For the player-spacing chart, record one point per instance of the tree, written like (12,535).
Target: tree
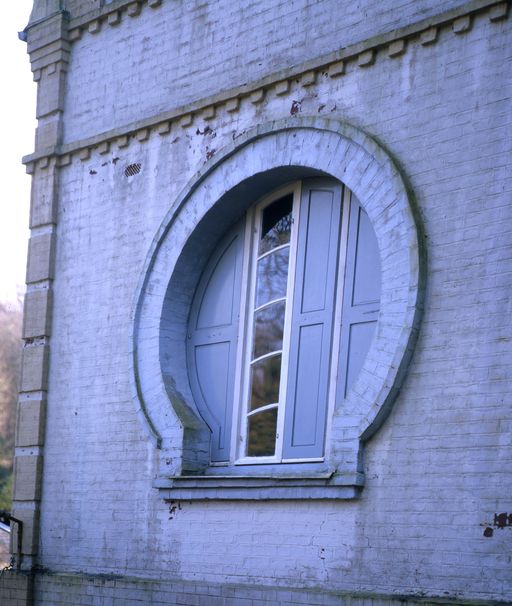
(10,354)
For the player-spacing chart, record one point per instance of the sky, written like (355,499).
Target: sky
(17,127)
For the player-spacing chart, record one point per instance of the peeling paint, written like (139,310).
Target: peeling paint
(207,131)
(174,506)
(296,107)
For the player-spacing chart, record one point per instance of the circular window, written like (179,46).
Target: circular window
(279,304)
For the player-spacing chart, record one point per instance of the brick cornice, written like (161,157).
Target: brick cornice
(111,15)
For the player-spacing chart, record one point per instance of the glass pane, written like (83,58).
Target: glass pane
(272,276)
(276,224)
(265,379)
(262,428)
(268,329)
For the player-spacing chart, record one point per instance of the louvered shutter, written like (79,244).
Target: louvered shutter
(361,297)
(312,319)
(212,340)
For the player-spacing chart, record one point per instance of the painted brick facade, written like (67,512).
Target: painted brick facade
(167,87)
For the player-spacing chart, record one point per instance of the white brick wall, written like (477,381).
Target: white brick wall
(438,470)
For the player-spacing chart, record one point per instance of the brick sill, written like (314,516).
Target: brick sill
(259,488)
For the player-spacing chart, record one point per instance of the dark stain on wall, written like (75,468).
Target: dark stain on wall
(296,107)
(501,520)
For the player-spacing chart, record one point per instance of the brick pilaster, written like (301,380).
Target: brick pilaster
(48,47)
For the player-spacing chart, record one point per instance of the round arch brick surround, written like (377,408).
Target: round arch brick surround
(323,146)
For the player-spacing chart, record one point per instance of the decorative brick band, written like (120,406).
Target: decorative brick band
(391,45)
(110,15)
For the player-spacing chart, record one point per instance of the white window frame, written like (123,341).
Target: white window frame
(243,361)
(241,404)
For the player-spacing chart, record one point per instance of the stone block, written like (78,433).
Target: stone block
(498,11)
(41,254)
(164,128)
(48,132)
(232,105)
(44,33)
(43,199)
(462,25)
(30,532)
(336,69)
(209,112)
(27,477)
(308,79)
(257,96)
(366,58)
(428,36)
(47,58)
(122,141)
(397,48)
(75,34)
(30,423)
(104,147)
(282,87)
(94,26)
(37,313)
(142,134)
(34,369)
(114,18)
(64,160)
(186,120)
(133,9)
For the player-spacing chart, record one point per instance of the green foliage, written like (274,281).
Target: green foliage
(10,353)
(5,488)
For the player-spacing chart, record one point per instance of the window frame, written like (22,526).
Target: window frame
(246,327)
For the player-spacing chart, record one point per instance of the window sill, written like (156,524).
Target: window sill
(260,488)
